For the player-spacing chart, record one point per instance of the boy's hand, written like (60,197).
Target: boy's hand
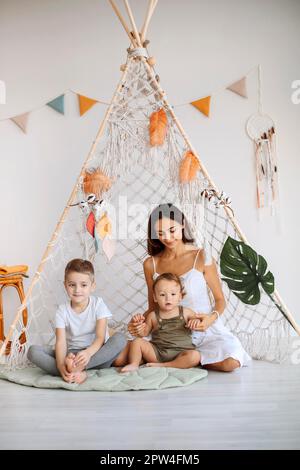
(82,358)
(138,318)
(67,376)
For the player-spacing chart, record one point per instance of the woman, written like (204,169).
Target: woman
(171,249)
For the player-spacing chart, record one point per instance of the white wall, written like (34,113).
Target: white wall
(48,46)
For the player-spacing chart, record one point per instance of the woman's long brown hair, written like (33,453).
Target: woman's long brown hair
(165,211)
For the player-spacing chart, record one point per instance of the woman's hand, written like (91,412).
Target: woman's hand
(82,358)
(201,322)
(137,325)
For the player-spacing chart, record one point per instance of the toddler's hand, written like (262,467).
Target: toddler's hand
(205,321)
(194,324)
(137,325)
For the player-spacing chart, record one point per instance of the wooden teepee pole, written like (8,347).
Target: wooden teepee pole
(151,7)
(123,22)
(232,219)
(146,20)
(132,21)
(64,214)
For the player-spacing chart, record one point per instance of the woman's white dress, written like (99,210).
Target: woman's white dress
(217,342)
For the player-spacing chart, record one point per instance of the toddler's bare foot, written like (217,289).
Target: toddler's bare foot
(129,368)
(155,364)
(69,362)
(80,377)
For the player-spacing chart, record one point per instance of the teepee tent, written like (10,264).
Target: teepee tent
(135,172)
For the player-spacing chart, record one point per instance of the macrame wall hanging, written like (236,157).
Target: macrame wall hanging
(261,129)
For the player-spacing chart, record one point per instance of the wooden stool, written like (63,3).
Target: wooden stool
(12,276)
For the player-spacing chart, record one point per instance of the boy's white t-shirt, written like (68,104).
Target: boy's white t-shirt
(81,327)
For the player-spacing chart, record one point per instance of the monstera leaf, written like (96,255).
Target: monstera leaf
(245,270)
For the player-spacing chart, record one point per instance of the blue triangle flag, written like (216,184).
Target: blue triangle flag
(58,104)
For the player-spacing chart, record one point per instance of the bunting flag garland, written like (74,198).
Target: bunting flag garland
(203,105)
(58,104)
(21,121)
(239,87)
(85,104)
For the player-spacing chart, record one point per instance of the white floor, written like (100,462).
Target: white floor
(253,408)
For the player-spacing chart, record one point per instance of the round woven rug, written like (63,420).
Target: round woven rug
(109,380)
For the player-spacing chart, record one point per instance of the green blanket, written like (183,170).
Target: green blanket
(109,380)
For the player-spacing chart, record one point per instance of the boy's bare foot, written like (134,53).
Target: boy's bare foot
(155,364)
(129,368)
(70,378)
(80,377)
(69,362)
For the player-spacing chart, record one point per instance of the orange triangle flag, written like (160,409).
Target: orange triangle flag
(21,121)
(85,104)
(239,87)
(203,105)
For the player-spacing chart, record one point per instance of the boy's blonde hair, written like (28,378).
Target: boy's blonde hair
(169,277)
(80,266)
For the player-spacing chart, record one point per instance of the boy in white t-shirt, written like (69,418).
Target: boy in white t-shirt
(82,338)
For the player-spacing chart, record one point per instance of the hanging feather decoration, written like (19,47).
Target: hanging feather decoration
(96,182)
(97,242)
(188,167)
(158,127)
(103,227)
(109,247)
(90,223)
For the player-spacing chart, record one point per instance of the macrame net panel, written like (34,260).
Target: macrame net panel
(143,178)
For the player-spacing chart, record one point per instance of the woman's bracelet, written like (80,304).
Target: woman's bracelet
(218,315)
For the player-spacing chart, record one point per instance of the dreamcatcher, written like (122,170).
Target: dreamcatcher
(261,129)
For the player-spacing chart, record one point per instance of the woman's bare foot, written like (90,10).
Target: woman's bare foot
(69,362)
(80,377)
(155,364)
(129,368)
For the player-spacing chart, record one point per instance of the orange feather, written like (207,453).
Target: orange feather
(158,127)
(188,167)
(96,182)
